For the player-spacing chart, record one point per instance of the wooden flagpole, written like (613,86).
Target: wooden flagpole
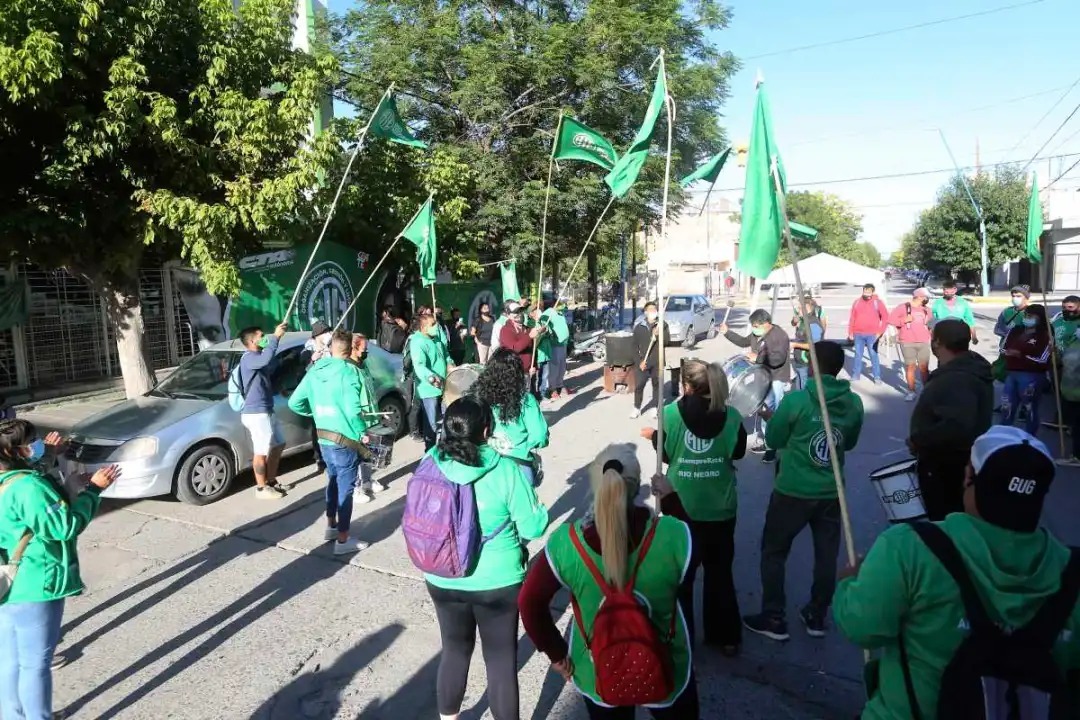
(834,459)
(375,269)
(661,278)
(333,205)
(543,235)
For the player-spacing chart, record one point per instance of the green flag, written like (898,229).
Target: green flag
(510,291)
(421,233)
(386,123)
(624,174)
(709,171)
(1035,223)
(578,141)
(762,223)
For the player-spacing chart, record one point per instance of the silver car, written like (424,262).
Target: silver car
(182,437)
(689,317)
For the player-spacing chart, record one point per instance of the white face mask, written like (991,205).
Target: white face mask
(650,316)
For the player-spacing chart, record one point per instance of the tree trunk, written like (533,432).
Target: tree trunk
(126,315)
(593,279)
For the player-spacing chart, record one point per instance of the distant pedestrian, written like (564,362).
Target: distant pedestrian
(257,416)
(1027,360)
(800,346)
(647,339)
(517,337)
(39,530)
(484,600)
(950,305)
(956,407)
(866,324)
(558,337)
(456,331)
(429,363)
(393,331)
(482,330)
(1012,317)
(912,320)
(770,347)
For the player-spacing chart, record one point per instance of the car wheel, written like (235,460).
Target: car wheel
(205,475)
(713,331)
(397,418)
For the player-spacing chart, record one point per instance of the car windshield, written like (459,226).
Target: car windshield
(678,303)
(204,376)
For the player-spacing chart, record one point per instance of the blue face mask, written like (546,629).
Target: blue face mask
(37,451)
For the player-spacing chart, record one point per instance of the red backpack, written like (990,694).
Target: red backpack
(633,664)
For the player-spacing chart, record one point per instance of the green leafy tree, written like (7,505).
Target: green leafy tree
(484,83)
(838,226)
(945,238)
(136,132)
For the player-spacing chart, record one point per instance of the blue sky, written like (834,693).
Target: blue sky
(871,107)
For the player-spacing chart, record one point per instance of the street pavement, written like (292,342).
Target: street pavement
(239,610)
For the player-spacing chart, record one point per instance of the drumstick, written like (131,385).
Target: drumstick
(730,305)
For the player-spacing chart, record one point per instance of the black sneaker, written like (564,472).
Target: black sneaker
(759,448)
(771,627)
(769,457)
(814,622)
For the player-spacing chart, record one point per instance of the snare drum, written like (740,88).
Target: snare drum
(381,445)
(748,384)
(898,487)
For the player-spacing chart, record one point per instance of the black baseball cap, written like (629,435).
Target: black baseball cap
(1013,474)
(318,328)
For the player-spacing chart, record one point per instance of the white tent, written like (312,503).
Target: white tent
(824,268)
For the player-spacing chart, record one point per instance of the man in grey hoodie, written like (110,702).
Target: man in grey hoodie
(956,407)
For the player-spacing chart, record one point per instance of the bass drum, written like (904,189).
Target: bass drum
(458,382)
(748,384)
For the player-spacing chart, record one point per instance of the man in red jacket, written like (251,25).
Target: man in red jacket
(866,324)
(515,336)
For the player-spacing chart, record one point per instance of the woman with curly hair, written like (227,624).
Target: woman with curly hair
(520,427)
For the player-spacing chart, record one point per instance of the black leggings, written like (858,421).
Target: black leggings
(495,613)
(685,707)
(714,553)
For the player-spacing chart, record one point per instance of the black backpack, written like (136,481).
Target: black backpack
(996,673)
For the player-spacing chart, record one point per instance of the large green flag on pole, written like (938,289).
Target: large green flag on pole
(508,272)
(762,227)
(709,170)
(386,123)
(624,174)
(421,232)
(1035,223)
(578,141)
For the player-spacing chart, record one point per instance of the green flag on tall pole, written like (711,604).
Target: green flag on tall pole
(1035,223)
(624,174)
(761,232)
(709,170)
(386,123)
(508,272)
(421,232)
(578,141)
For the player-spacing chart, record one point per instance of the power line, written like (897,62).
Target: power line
(917,173)
(1066,141)
(1063,174)
(1045,115)
(893,31)
(1053,135)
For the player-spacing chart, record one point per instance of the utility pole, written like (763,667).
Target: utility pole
(984,259)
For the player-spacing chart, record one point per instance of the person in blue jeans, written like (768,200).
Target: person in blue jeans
(1027,360)
(334,395)
(866,323)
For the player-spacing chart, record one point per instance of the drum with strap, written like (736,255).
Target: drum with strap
(898,487)
(381,444)
(748,384)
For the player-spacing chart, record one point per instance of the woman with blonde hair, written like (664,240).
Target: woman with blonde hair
(632,551)
(702,439)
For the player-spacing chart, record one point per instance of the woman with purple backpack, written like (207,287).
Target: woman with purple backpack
(484,597)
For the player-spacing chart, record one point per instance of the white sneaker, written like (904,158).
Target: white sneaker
(362,496)
(351,545)
(635,413)
(269,493)
(330,534)
(909,397)
(653,413)
(379,486)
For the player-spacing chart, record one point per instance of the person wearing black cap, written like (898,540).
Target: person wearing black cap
(956,407)
(905,598)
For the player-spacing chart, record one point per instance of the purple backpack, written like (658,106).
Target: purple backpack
(441,523)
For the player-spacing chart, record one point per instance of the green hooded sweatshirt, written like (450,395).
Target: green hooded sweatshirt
(559,330)
(519,437)
(334,394)
(428,358)
(903,587)
(797,432)
(50,566)
(502,493)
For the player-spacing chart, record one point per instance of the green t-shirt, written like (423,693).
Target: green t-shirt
(701,469)
(429,358)
(658,580)
(960,309)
